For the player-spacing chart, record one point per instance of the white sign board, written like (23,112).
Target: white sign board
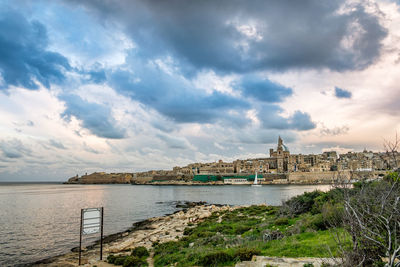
(91,221)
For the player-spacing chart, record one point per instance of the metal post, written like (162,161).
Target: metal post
(80,238)
(101,235)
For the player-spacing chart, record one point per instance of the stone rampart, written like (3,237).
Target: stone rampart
(317,177)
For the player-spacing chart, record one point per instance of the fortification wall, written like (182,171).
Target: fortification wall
(274,176)
(317,177)
(172,177)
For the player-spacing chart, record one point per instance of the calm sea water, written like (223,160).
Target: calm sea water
(42,220)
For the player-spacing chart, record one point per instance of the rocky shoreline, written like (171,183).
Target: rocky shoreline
(144,233)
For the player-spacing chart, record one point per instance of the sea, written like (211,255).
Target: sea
(41,220)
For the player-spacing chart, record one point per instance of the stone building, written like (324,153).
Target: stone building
(281,162)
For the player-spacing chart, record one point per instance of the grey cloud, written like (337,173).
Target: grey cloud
(271,119)
(174,142)
(95,117)
(334,131)
(90,149)
(263,89)
(173,96)
(342,93)
(24,57)
(301,121)
(243,36)
(56,144)
(14,149)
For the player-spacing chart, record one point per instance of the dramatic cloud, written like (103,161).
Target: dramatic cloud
(95,117)
(301,121)
(24,60)
(271,119)
(342,93)
(137,85)
(174,96)
(263,89)
(241,36)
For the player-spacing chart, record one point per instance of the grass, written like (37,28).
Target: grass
(228,237)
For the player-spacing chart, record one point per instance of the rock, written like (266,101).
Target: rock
(153,238)
(204,215)
(191,244)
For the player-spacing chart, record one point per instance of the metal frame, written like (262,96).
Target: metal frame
(85,226)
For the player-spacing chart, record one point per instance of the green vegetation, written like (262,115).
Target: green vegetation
(137,258)
(360,225)
(228,237)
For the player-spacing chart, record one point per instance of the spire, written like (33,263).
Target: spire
(280,143)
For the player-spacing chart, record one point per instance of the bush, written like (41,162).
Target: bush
(188,231)
(204,234)
(140,252)
(318,222)
(133,261)
(300,204)
(282,221)
(245,254)
(119,260)
(167,248)
(216,258)
(393,177)
(111,259)
(242,229)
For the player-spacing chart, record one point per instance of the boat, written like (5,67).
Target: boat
(256,181)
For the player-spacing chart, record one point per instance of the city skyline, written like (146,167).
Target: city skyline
(129,86)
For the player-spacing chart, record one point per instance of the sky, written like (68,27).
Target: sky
(128,86)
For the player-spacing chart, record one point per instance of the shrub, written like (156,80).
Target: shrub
(242,229)
(308,265)
(318,222)
(119,260)
(300,204)
(188,231)
(282,221)
(133,261)
(140,252)
(245,254)
(204,234)
(216,258)
(393,177)
(167,248)
(111,259)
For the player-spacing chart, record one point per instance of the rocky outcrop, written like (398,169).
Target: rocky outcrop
(101,178)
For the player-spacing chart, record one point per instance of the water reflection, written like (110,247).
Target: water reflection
(42,220)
